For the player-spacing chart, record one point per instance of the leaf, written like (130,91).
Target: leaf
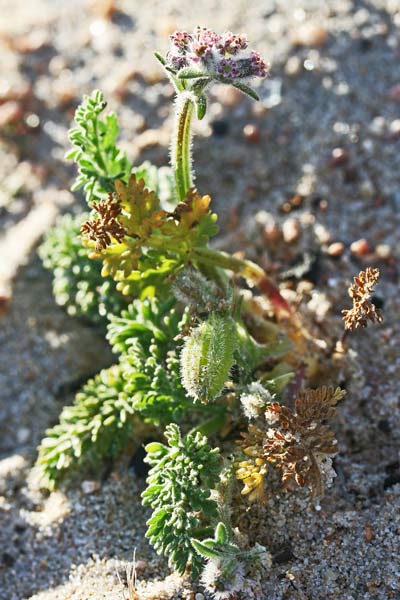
(160,58)
(201,104)
(221,533)
(141,213)
(245,89)
(204,550)
(191,73)
(99,159)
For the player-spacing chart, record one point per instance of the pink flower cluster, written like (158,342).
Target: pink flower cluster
(223,56)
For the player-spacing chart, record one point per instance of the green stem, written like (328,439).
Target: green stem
(181,149)
(100,158)
(212,425)
(249,271)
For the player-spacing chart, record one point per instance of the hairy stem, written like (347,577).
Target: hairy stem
(181,160)
(249,271)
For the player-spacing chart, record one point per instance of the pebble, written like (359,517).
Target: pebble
(336,249)
(293,66)
(10,112)
(251,133)
(378,126)
(367,188)
(394,93)
(199,596)
(90,486)
(141,565)
(322,233)
(31,42)
(383,251)
(339,156)
(360,247)
(291,230)
(310,34)
(272,233)
(394,128)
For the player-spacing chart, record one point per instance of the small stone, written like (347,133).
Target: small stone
(383,251)
(31,42)
(141,565)
(199,596)
(23,435)
(291,230)
(10,112)
(57,65)
(310,34)
(293,66)
(378,126)
(89,486)
(369,533)
(272,233)
(339,157)
(251,133)
(32,120)
(394,93)
(64,88)
(323,234)
(366,188)
(360,247)
(336,249)
(8,559)
(394,128)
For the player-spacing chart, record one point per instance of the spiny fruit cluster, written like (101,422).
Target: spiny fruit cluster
(189,359)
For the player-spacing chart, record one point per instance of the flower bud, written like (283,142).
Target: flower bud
(207,357)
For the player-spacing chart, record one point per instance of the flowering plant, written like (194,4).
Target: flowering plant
(193,358)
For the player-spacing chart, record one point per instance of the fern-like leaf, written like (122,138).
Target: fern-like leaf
(100,162)
(179,483)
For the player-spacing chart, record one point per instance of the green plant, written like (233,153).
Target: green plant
(179,488)
(189,349)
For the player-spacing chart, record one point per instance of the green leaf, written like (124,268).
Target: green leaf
(100,161)
(160,58)
(204,549)
(221,533)
(201,104)
(191,73)
(245,89)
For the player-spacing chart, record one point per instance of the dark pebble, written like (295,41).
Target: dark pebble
(365,44)
(391,481)
(284,555)
(20,527)
(220,127)
(350,175)
(8,559)
(384,426)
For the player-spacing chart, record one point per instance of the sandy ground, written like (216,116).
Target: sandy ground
(316,162)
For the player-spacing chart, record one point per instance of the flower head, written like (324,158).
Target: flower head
(221,57)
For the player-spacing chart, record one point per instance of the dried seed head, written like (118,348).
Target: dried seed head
(298,444)
(363,310)
(105,226)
